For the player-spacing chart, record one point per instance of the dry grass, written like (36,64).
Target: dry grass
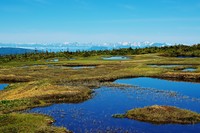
(188,76)
(65,84)
(104,71)
(38,89)
(14,78)
(162,115)
(54,84)
(20,96)
(43,85)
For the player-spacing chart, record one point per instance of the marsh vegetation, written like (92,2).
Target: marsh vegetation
(43,83)
(161,115)
(111,100)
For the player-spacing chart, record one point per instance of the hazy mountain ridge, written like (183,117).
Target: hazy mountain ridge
(83,46)
(21,48)
(8,51)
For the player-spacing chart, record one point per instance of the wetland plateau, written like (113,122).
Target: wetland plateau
(95,92)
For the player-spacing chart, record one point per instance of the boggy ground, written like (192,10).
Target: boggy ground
(27,123)
(162,115)
(36,84)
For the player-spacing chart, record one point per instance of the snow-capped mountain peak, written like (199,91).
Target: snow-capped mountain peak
(73,46)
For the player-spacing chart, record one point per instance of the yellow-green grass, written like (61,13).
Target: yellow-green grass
(162,115)
(28,123)
(20,96)
(43,81)
(42,85)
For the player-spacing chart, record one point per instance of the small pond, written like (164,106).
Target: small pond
(53,60)
(95,115)
(2,86)
(116,58)
(59,66)
(189,70)
(165,66)
(187,57)
(82,67)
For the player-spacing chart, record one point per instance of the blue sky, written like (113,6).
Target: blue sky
(173,21)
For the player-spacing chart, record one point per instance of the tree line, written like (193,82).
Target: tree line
(170,51)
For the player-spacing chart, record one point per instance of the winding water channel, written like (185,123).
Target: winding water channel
(95,115)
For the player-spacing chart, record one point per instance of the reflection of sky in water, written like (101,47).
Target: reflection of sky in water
(2,86)
(82,67)
(165,66)
(186,57)
(116,58)
(189,70)
(60,66)
(185,88)
(96,114)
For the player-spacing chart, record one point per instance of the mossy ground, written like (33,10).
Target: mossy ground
(27,123)
(40,83)
(162,115)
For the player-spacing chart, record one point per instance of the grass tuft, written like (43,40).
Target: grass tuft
(161,115)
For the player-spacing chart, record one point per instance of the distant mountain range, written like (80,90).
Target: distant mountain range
(16,48)
(8,51)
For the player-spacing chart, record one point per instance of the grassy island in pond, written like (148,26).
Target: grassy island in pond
(162,115)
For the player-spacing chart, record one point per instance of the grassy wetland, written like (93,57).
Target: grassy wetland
(162,115)
(35,82)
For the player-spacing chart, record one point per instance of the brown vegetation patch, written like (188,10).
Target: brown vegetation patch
(44,90)
(162,115)
(182,76)
(14,78)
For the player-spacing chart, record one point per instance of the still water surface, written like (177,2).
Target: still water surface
(116,58)
(95,115)
(165,66)
(2,86)
(189,70)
